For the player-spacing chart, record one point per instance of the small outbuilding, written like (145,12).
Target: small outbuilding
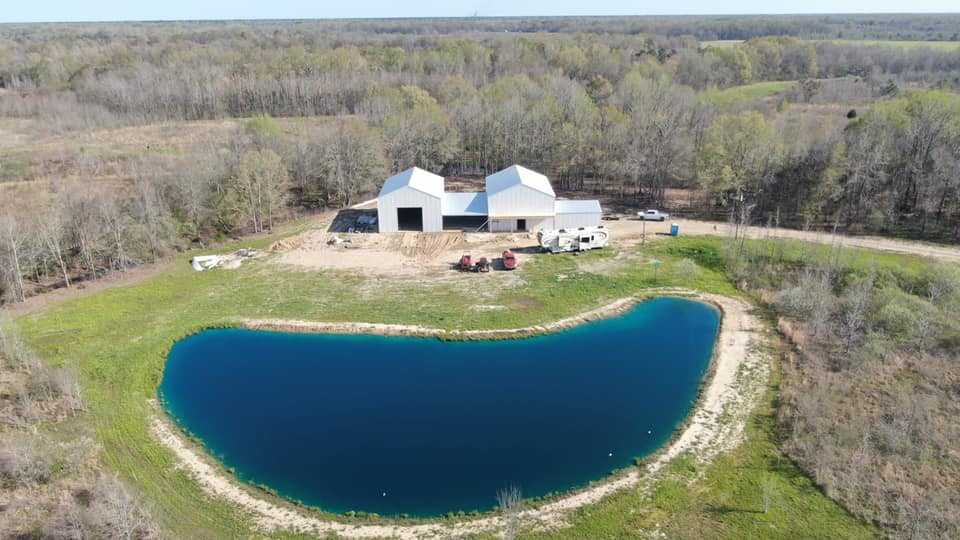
(519,199)
(411,201)
(575,214)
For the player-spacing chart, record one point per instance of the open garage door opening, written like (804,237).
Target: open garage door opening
(410,219)
(465,223)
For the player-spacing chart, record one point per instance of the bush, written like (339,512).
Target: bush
(25,461)
(686,270)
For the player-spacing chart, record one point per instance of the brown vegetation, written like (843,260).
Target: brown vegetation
(870,394)
(54,489)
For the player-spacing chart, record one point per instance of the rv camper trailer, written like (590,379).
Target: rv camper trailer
(580,239)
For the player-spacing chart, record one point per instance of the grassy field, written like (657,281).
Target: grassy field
(721,43)
(119,339)
(938,45)
(725,99)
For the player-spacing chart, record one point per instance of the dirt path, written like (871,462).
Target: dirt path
(631,232)
(716,425)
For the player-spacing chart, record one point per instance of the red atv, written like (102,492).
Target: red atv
(509,260)
(466,264)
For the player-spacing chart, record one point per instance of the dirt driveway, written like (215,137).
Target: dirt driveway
(631,231)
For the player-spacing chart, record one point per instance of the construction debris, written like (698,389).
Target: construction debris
(229,261)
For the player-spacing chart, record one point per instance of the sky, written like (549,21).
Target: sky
(121,10)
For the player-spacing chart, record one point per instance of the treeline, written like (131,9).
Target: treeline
(80,230)
(876,26)
(896,168)
(132,74)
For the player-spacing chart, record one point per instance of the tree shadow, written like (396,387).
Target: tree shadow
(723,509)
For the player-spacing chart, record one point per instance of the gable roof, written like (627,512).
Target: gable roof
(577,207)
(517,175)
(415,178)
(464,204)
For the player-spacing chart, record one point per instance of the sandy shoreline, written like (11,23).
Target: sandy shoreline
(738,374)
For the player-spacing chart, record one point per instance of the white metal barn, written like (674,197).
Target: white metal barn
(575,214)
(411,201)
(519,199)
(516,199)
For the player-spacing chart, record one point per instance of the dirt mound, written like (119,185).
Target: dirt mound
(426,246)
(286,244)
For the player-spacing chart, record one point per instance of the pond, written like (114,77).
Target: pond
(419,426)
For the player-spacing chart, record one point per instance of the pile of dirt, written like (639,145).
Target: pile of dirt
(286,244)
(427,246)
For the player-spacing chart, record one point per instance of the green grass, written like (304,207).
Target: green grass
(721,43)
(119,338)
(938,45)
(737,95)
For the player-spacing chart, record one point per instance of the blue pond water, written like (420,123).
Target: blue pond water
(419,426)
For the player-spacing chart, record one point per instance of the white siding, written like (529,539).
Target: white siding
(537,223)
(407,197)
(520,201)
(534,223)
(502,225)
(573,221)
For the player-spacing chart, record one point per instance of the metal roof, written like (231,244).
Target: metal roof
(416,178)
(517,175)
(577,207)
(464,204)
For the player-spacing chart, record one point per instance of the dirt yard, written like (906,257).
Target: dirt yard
(409,253)
(430,253)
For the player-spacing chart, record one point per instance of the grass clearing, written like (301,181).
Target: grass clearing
(731,97)
(119,339)
(936,45)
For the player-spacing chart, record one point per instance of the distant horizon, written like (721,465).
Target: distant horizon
(107,11)
(469,17)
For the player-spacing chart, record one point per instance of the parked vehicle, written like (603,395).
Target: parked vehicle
(581,239)
(509,260)
(653,215)
(467,264)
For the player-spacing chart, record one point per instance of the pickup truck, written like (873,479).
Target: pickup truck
(653,215)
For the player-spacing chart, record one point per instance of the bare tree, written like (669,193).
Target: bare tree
(118,513)
(510,501)
(260,186)
(854,318)
(768,488)
(50,230)
(13,238)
